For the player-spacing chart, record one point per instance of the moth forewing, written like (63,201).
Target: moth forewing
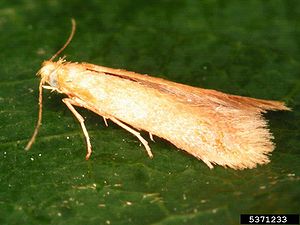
(215,127)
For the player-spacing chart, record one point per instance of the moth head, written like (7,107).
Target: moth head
(49,72)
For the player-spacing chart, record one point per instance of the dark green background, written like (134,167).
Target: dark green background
(247,48)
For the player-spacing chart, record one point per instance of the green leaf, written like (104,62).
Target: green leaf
(241,47)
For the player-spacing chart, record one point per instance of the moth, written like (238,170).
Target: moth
(215,127)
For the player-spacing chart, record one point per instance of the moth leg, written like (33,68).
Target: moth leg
(151,137)
(105,121)
(51,88)
(135,133)
(70,102)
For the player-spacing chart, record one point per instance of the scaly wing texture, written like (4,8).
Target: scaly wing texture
(192,95)
(235,133)
(235,138)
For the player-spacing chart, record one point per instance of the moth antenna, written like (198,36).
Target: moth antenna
(39,121)
(67,42)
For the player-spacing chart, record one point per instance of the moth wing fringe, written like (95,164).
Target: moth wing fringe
(246,143)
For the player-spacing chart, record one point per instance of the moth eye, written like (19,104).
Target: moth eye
(53,79)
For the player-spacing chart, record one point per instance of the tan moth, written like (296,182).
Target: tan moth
(215,127)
